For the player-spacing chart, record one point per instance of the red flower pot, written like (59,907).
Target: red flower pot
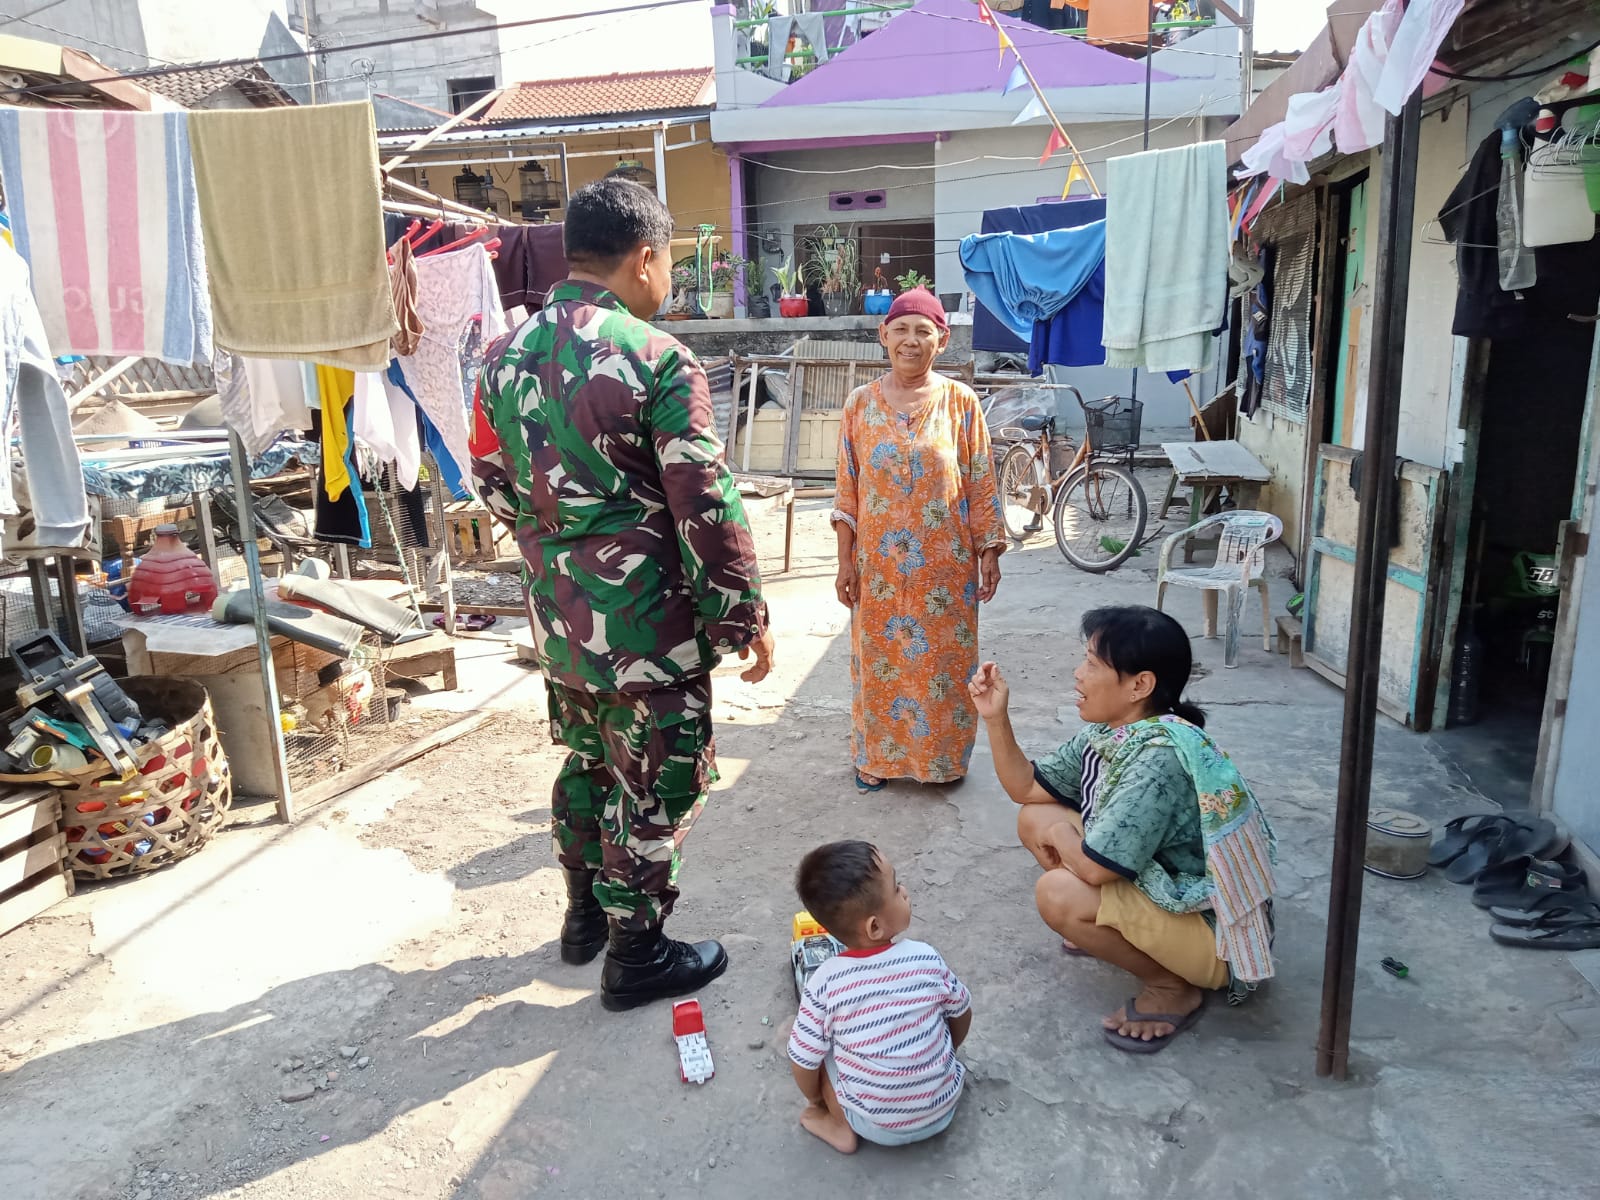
(794,306)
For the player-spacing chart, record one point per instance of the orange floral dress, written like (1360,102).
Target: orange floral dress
(918,489)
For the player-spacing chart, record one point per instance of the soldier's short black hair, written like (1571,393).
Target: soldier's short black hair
(612,217)
(840,884)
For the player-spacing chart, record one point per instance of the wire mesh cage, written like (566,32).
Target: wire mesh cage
(335,711)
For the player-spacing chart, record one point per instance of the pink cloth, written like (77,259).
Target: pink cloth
(1358,123)
(1412,50)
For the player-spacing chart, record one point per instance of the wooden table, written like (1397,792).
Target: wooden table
(760,492)
(1206,468)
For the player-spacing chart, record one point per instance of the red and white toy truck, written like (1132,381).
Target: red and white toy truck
(689,1030)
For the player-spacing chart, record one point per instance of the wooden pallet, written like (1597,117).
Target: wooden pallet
(471,534)
(33,866)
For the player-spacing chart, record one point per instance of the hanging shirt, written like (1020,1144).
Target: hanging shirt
(452,290)
(336,386)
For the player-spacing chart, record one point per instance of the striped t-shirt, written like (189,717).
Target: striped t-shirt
(881,1015)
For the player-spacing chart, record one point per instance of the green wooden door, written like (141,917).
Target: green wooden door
(1346,377)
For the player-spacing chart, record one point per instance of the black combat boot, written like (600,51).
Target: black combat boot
(583,933)
(646,965)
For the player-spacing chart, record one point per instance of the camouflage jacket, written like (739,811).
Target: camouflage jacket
(592,438)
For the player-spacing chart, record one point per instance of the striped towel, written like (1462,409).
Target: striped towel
(103,208)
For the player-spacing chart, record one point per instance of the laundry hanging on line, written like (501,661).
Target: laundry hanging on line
(34,404)
(104,209)
(1028,277)
(291,204)
(1166,257)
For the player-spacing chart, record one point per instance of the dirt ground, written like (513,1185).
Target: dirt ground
(369,1003)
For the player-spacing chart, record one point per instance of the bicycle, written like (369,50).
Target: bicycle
(1098,510)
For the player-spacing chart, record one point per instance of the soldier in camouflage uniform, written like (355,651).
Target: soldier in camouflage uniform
(593,440)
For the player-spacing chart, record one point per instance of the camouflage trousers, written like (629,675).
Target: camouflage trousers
(640,766)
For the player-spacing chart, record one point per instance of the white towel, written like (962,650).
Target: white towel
(1166,257)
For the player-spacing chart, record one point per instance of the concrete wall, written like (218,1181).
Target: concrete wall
(1280,445)
(415,71)
(791,188)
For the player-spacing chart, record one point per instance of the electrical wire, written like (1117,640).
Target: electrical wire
(1509,76)
(433,35)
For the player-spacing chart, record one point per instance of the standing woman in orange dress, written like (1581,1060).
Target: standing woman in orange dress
(920,537)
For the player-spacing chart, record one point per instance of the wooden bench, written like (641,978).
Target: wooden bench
(470,533)
(1290,640)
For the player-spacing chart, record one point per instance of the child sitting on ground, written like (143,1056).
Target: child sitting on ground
(892,1080)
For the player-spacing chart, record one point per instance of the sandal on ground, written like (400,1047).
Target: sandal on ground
(1524,879)
(1494,845)
(1574,926)
(865,788)
(1554,908)
(1458,834)
(1134,1045)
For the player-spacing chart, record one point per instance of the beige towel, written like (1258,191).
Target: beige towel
(291,207)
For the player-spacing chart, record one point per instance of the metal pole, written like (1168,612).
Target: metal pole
(1247,55)
(1149,70)
(258,601)
(311,48)
(1379,486)
(660,135)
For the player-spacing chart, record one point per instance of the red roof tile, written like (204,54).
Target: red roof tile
(607,95)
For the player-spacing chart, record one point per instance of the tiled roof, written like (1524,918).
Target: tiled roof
(607,95)
(194,87)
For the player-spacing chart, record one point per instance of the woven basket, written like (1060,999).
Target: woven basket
(166,812)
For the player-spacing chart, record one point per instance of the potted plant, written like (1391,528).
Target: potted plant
(835,266)
(792,301)
(685,290)
(878,298)
(727,270)
(913,279)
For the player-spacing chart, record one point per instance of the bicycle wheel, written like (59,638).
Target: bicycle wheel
(1100,517)
(1021,472)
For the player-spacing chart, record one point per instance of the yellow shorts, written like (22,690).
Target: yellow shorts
(1181,942)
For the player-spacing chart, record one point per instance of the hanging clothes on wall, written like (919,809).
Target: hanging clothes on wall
(291,204)
(33,403)
(454,289)
(1256,335)
(1166,257)
(104,209)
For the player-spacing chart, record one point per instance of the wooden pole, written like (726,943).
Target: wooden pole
(1374,533)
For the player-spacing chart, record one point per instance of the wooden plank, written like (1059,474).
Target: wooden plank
(25,819)
(340,784)
(29,904)
(1223,460)
(33,860)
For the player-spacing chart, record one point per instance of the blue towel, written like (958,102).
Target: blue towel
(1028,277)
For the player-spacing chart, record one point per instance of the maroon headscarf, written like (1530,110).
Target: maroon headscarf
(918,302)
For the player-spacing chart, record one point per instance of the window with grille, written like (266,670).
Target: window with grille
(1292,229)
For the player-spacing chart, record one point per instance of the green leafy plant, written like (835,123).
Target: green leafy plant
(788,277)
(684,277)
(727,270)
(835,262)
(913,279)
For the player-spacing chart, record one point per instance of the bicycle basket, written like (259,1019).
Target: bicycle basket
(1113,423)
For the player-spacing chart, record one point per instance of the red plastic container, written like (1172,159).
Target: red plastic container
(793,306)
(170,578)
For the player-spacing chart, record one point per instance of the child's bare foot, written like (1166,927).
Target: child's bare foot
(830,1128)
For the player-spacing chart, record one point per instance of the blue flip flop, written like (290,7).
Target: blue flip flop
(1135,1045)
(864,787)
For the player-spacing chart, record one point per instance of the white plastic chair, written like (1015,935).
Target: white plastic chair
(1241,561)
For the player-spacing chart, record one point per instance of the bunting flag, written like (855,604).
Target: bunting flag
(1019,79)
(985,16)
(1033,109)
(1058,141)
(1077,171)
(1005,44)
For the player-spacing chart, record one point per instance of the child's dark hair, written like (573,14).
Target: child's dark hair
(839,883)
(1131,638)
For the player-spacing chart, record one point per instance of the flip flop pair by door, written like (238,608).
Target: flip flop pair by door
(1472,845)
